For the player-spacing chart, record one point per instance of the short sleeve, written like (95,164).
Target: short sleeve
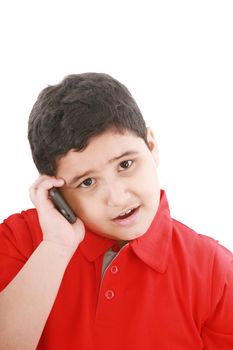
(20,234)
(217,332)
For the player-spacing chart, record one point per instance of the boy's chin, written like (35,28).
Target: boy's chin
(127,236)
(127,233)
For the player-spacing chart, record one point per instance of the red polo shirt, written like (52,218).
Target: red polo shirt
(169,289)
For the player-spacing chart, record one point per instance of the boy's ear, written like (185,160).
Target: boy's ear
(152,144)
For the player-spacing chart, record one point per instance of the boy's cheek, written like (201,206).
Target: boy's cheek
(82,207)
(72,199)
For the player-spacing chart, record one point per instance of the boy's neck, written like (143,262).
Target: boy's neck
(121,243)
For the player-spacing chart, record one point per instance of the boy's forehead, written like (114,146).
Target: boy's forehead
(103,149)
(114,137)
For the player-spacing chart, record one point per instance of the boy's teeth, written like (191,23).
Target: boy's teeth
(127,212)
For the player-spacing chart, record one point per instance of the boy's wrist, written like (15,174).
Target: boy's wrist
(62,250)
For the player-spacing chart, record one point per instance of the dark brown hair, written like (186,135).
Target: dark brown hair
(67,115)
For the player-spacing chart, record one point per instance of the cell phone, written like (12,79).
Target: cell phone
(61,205)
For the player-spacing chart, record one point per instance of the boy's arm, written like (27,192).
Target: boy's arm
(217,333)
(27,300)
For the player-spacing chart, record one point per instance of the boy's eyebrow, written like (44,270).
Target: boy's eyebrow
(76,178)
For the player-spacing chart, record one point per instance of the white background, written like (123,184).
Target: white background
(176,58)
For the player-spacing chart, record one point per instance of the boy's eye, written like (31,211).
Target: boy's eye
(126,164)
(87,183)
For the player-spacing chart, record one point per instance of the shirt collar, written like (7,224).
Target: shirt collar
(152,247)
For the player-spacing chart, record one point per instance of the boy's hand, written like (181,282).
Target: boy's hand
(55,227)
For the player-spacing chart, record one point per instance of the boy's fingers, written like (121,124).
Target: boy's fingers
(44,179)
(39,190)
(42,195)
(35,186)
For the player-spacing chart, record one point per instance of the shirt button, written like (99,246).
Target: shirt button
(109,294)
(114,269)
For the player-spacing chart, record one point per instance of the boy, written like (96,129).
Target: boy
(125,275)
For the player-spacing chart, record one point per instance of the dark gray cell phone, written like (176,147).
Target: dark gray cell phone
(61,205)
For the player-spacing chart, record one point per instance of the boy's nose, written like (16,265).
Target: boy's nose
(117,195)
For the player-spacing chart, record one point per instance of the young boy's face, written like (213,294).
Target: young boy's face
(114,174)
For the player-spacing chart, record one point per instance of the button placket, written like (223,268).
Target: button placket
(110,292)
(114,269)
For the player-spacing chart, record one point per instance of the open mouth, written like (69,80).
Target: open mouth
(130,217)
(127,214)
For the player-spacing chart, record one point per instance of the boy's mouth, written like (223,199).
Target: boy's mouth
(126,213)
(128,216)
